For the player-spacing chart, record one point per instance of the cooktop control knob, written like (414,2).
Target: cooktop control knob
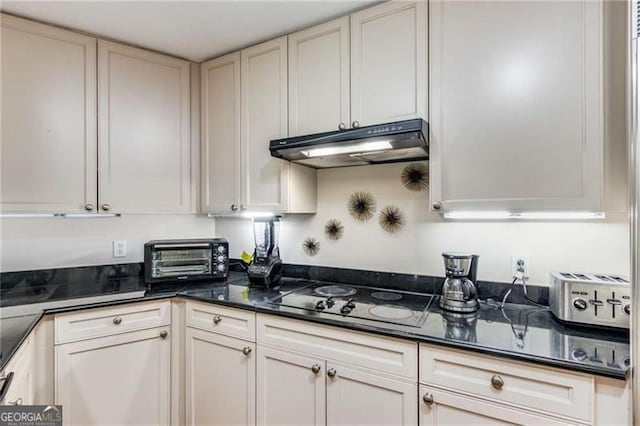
(345,310)
(320,305)
(330,302)
(350,304)
(627,309)
(580,304)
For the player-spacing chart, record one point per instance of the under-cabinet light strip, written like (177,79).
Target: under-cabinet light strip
(57,215)
(507,215)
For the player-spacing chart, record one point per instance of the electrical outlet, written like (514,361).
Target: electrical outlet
(520,262)
(120,248)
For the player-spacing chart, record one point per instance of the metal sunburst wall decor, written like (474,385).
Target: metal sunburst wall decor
(311,246)
(333,229)
(361,206)
(415,177)
(391,219)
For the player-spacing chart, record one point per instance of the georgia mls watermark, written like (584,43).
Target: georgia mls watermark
(31,415)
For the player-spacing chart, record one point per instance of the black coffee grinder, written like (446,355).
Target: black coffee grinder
(265,268)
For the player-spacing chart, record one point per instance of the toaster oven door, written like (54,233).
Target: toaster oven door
(180,261)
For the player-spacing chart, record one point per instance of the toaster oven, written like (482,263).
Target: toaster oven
(186,260)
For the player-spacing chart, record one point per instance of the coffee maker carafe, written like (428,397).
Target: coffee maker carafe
(459,293)
(266,267)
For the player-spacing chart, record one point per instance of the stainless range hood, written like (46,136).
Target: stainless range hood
(382,143)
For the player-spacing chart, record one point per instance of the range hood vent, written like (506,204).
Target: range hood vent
(382,143)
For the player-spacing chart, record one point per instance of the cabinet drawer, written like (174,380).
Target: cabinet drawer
(546,390)
(74,326)
(388,355)
(220,319)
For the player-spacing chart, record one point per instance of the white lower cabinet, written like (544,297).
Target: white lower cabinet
(356,396)
(20,374)
(315,375)
(122,379)
(220,379)
(291,388)
(445,408)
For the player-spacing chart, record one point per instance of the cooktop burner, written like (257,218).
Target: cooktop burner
(334,290)
(374,304)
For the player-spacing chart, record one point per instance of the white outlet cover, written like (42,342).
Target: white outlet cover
(514,264)
(120,248)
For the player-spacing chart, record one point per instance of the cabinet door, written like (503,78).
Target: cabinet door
(220,84)
(48,150)
(264,117)
(449,409)
(21,390)
(358,397)
(220,382)
(144,131)
(319,78)
(118,380)
(516,115)
(388,62)
(288,390)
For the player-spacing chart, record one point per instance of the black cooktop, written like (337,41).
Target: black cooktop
(370,303)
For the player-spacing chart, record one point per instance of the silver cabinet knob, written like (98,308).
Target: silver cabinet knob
(437,205)
(16,402)
(341,126)
(106,207)
(117,320)
(497,382)
(355,124)
(332,372)
(88,207)
(427,398)
(217,319)
(315,368)
(246,350)
(164,334)
(234,207)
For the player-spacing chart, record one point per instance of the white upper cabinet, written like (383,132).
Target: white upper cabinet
(264,117)
(144,131)
(319,78)
(389,63)
(516,112)
(48,150)
(220,85)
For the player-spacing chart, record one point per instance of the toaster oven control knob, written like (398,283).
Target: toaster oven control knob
(220,258)
(220,249)
(627,309)
(580,304)
(220,267)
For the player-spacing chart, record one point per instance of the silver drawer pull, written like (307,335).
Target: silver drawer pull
(164,334)
(117,320)
(217,319)
(497,382)
(246,350)
(427,398)
(332,372)
(315,368)
(16,402)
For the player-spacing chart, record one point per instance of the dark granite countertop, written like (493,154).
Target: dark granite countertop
(520,332)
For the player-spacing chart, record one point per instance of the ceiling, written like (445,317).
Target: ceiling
(195,30)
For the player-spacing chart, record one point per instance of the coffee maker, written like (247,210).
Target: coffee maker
(265,268)
(459,293)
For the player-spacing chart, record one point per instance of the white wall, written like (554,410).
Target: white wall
(595,246)
(36,243)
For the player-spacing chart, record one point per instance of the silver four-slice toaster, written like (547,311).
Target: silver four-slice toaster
(592,299)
